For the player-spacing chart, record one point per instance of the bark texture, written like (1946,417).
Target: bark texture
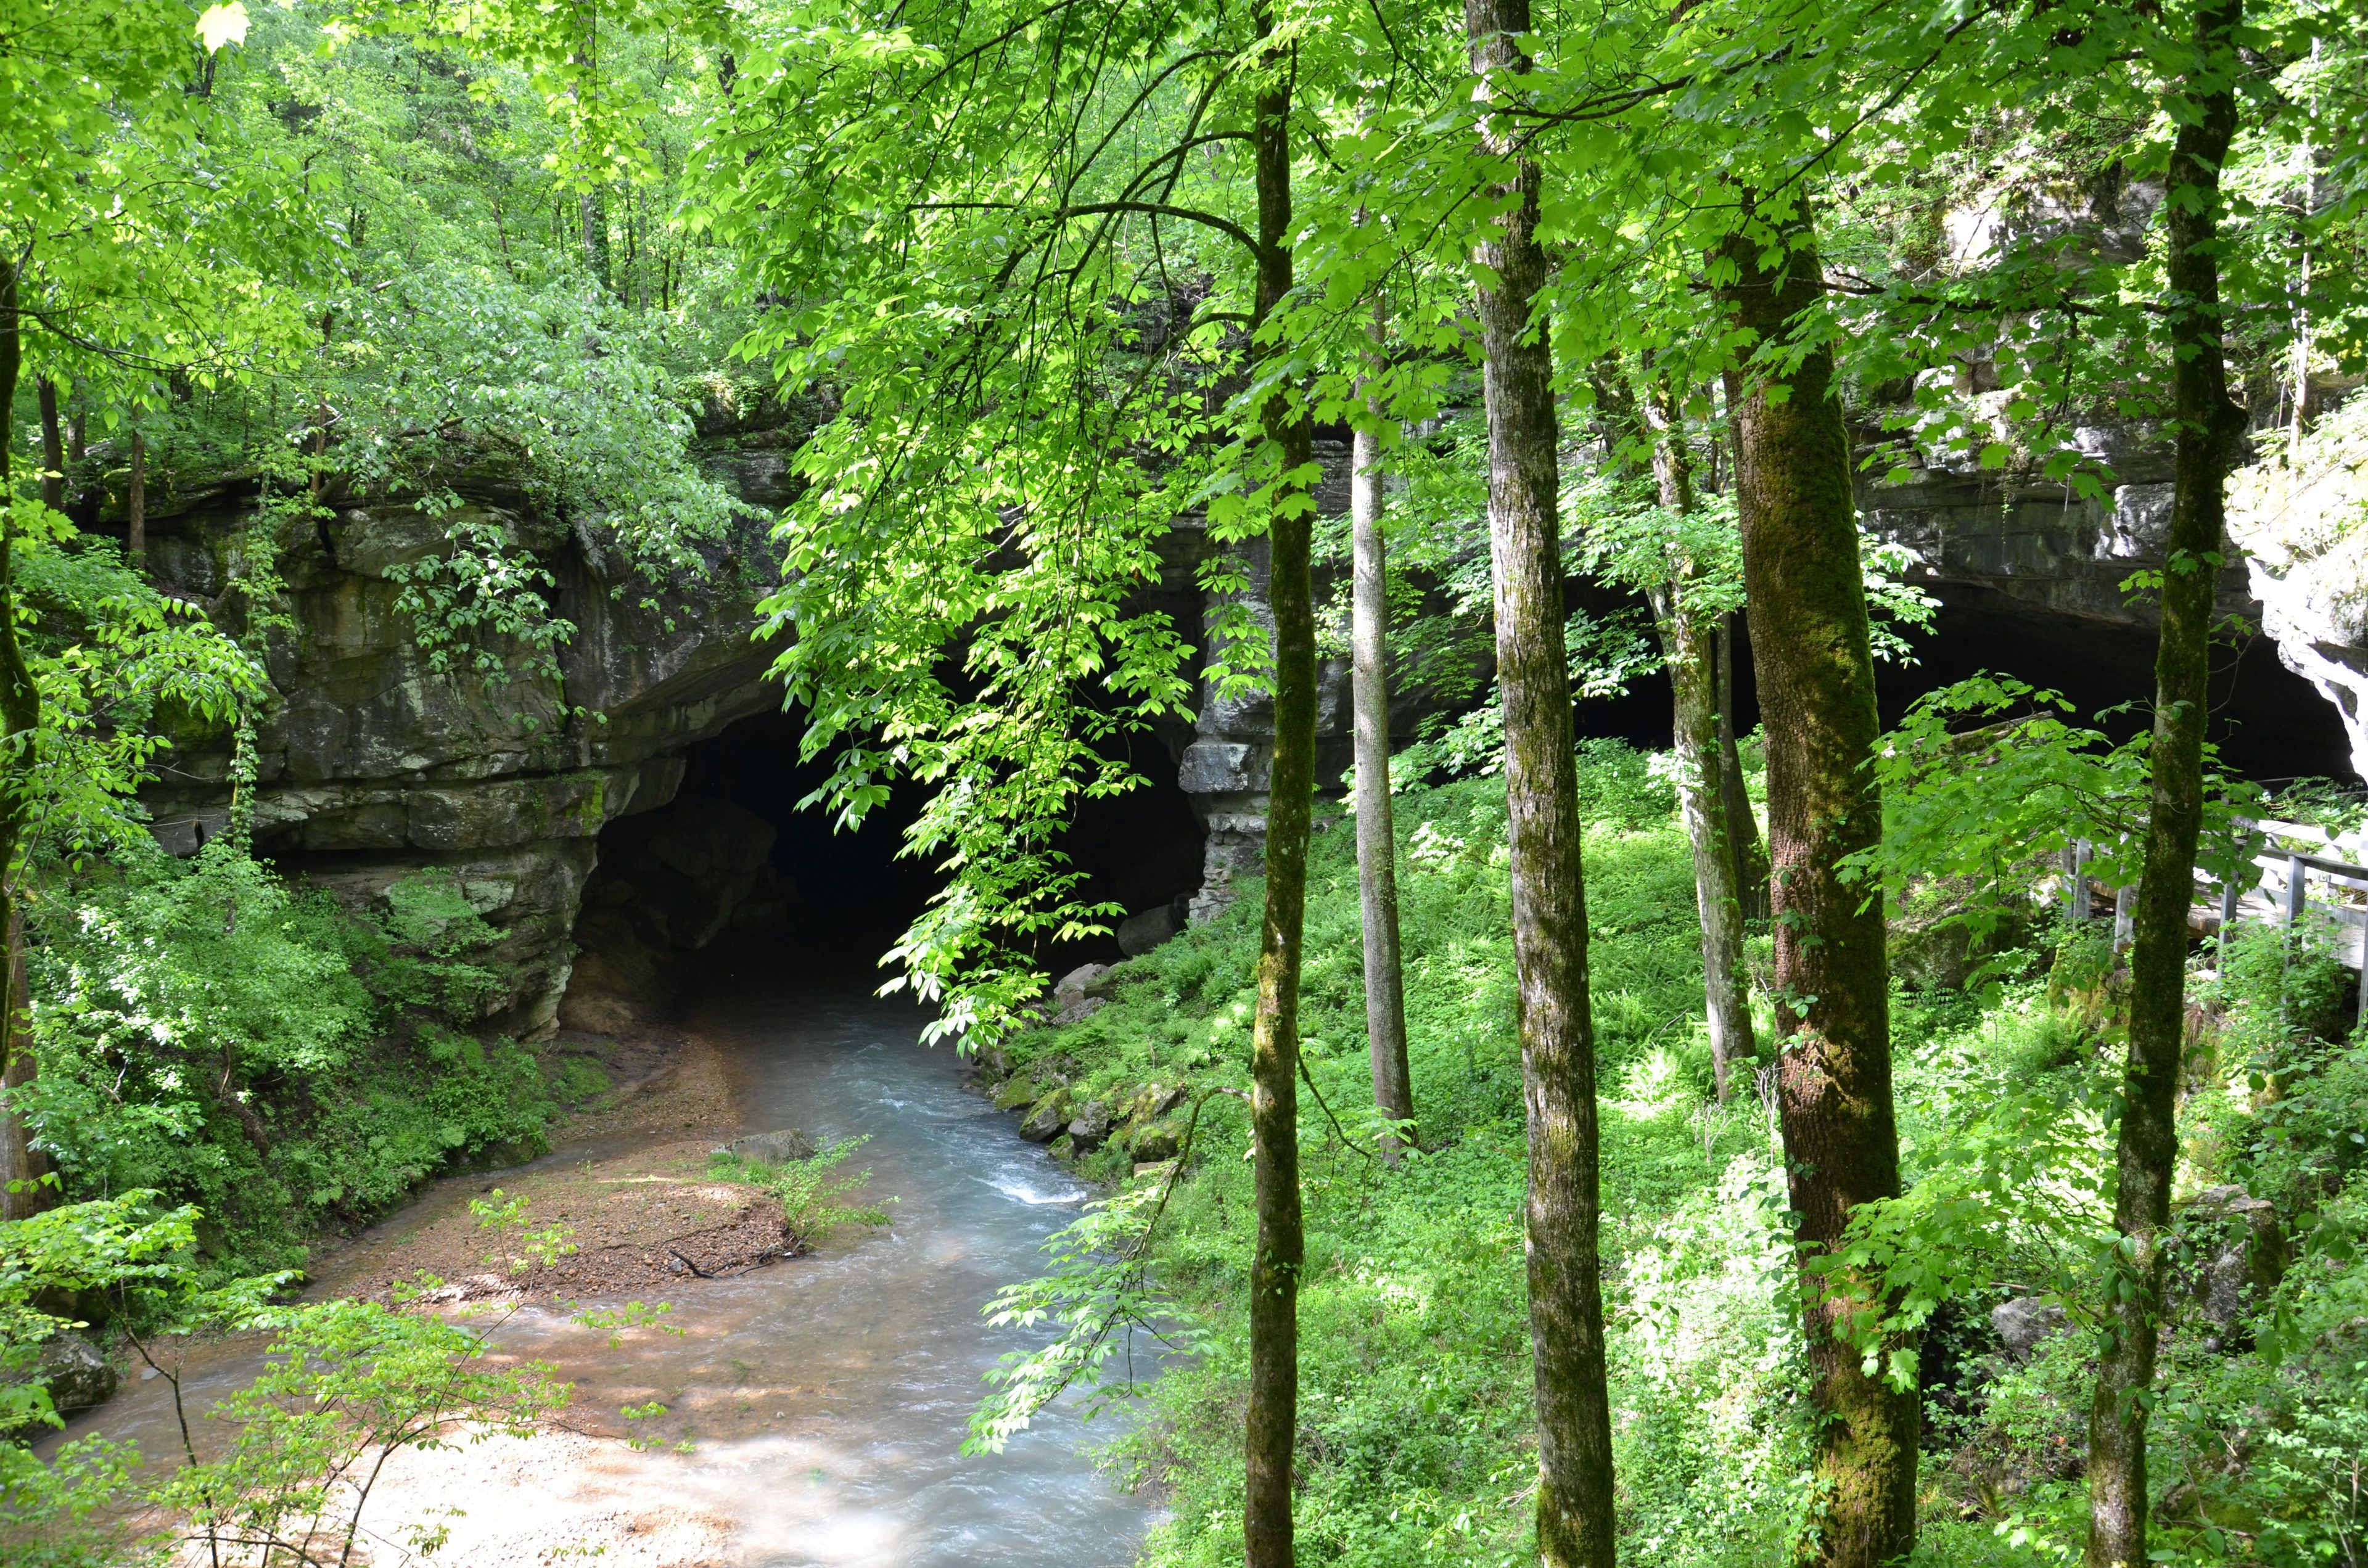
(1743,827)
(2207,425)
(1377,855)
(135,505)
(1273,1418)
(1689,647)
(1807,610)
(53,450)
(1575,1497)
(20,713)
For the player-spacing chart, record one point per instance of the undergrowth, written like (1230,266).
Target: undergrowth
(1416,1442)
(210,1033)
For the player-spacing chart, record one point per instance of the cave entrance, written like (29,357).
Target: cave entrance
(730,864)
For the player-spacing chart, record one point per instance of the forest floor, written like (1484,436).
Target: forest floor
(626,1186)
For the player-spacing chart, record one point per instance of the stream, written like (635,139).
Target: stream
(824,1398)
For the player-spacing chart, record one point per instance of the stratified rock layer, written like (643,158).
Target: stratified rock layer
(374,765)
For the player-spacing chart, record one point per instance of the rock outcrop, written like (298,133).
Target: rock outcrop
(2030,579)
(373,764)
(668,884)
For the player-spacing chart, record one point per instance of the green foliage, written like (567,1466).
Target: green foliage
(1994,802)
(1414,1357)
(809,1189)
(209,1032)
(354,1385)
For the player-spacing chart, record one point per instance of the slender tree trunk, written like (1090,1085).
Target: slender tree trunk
(20,711)
(1807,608)
(135,507)
(593,214)
(2207,427)
(1690,646)
(53,450)
(1274,1419)
(1558,1031)
(1377,854)
(1743,827)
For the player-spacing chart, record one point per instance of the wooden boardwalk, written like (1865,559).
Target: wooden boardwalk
(2298,878)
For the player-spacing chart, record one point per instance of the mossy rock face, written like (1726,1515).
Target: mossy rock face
(1016,1093)
(1152,1144)
(1155,1100)
(1049,1119)
(1934,952)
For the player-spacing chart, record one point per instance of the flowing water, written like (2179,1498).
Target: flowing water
(826,1398)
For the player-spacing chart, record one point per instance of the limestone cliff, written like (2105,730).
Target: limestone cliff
(373,765)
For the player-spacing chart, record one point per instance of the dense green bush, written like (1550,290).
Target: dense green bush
(209,1033)
(1417,1444)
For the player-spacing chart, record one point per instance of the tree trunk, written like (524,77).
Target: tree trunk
(1272,1428)
(20,710)
(1377,855)
(2207,425)
(53,450)
(1574,1499)
(1689,647)
(1807,609)
(135,505)
(1743,827)
(593,212)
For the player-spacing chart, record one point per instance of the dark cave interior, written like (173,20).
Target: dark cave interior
(733,862)
(2270,725)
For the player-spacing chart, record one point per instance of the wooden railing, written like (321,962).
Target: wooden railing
(2283,881)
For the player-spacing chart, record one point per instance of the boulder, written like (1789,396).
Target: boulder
(1072,1002)
(776,1148)
(1048,1119)
(1152,1144)
(1138,934)
(2023,1322)
(77,1373)
(1091,1127)
(2241,1246)
(1154,1101)
(1072,986)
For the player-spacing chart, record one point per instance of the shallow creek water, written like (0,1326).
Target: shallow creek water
(826,1398)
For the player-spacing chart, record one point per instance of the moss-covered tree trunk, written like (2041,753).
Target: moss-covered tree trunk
(1557,1031)
(1689,648)
(1807,610)
(1377,854)
(2207,425)
(53,450)
(1273,1418)
(136,505)
(20,714)
(1742,826)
